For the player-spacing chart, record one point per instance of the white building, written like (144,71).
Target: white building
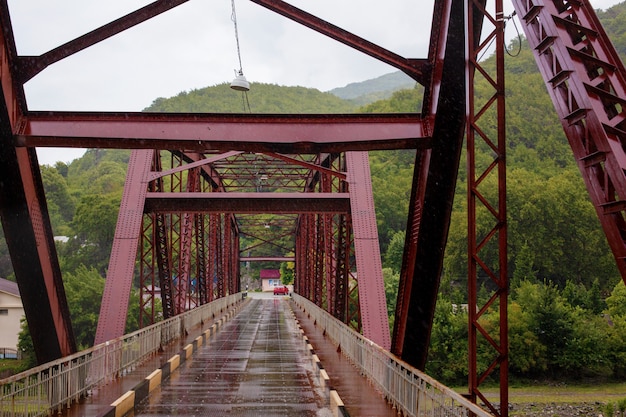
(11,312)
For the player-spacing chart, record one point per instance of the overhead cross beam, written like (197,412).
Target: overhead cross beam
(279,203)
(209,132)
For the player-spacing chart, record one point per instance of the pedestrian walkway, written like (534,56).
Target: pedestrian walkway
(257,365)
(100,399)
(360,397)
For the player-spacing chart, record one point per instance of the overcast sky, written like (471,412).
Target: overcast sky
(193,46)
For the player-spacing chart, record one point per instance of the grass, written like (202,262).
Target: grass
(11,366)
(571,394)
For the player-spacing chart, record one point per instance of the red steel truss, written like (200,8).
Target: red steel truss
(187,265)
(204,191)
(486,188)
(587,83)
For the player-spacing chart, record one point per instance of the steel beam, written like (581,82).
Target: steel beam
(372,299)
(29,66)
(291,134)
(283,203)
(114,305)
(26,222)
(486,199)
(586,81)
(418,69)
(429,219)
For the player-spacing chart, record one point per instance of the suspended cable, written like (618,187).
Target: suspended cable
(233,17)
(239,83)
(519,36)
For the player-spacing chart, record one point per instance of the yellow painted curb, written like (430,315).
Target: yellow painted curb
(335,403)
(174,362)
(188,351)
(124,404)
(154,380)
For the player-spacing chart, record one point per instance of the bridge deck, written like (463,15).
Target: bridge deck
(256,365)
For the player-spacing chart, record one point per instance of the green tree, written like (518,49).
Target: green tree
(25,345)
(527,355)
(287,271)
(392,177)
(391,280)
(94,223)
(448,352)
(616,315)
(524,267)
(549,319)
(395,251)
(83,290)
(61,205)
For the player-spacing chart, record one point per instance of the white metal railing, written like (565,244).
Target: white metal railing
(50,387)
(409,390)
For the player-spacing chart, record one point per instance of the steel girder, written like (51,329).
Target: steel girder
(26,222)
(123,253)
(205,133)
(586,80)
(434,181)
(321,245)
(433,188)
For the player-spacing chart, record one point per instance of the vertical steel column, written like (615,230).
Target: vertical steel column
(147,271)
(342,268)
(213,256)
(487,200)
(309,245)
(219,256)
(298,285)
(164,264)
(372,301)
(229,253)
(303,256)
(186,251)
(201,258)
(321,237)
(234,255)
(174,227)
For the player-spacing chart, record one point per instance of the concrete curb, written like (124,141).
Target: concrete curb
(335,403)
(134,396)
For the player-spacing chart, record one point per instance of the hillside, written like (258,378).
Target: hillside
(380,88)
(262,98)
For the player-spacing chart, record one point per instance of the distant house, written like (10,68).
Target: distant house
(11,312)
(270,278)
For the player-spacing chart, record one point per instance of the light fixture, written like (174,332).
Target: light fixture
(240,83)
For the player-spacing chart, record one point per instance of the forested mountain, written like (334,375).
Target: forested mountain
(564,281)
(379,88)
(262,98)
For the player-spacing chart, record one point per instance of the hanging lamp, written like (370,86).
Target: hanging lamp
(239,83)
